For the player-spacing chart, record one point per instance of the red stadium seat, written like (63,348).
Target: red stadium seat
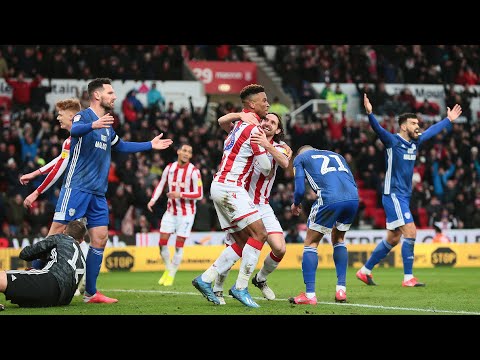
(422,218)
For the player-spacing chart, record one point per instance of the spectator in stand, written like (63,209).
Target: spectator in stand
(16,215)
(439,236)
(205,215)
(277,107)
(198,114)
(119,205)
(335,97)
(440,177)
(408,100)
(366,89)
(38,101)
(446,220)
(3,65)
(21,91)
(155,99)
(29,147)
(293,237)
(466,97)
(466,76)
(428,108)
(84,99)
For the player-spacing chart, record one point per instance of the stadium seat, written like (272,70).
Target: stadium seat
(379,218)
(422,218)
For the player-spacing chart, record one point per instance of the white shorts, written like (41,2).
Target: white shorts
(269,220)
(180,224)
(235,209)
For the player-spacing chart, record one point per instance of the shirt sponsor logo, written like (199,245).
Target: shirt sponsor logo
(101,145)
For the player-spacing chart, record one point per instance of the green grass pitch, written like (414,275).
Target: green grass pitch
(449,291)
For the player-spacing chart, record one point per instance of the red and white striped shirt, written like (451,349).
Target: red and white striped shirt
(55,168)
(258,185)
(184,179)
(238,153)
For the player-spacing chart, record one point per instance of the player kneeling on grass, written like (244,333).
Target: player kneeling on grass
(56,283)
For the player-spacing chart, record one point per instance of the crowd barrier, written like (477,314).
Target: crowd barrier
(134,258)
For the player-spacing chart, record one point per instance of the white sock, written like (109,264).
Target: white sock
(225,261)
(341,287)
(364,270)
(176,261)
(310,295)
(165,254)
(268,266)
(250,257)
(218,286)
(407,277)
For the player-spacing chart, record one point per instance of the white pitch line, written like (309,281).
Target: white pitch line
(381,307)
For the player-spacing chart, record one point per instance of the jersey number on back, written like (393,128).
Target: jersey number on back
(326,160)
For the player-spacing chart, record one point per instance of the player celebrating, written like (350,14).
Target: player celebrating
(234,207)
(400,155)
(184,189)
(259,187)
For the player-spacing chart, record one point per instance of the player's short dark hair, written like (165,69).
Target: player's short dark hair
(281,135)
(403,118)
(97,84)
(76,229)
(251,89)
(182,144)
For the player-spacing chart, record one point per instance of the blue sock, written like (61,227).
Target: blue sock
(93,264)
(407,255)
(38,264)
(309,267)
(382,249)
(340,257)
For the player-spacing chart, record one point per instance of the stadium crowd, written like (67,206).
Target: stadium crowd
(446,179)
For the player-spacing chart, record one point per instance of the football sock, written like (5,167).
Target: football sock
(340,257)
(407,255)
(250,255)
(176,261)
(220,280)
(269,264)
(225,261)
(93,264)
(309,268)
(382,249)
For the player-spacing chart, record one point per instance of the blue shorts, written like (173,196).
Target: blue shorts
(74,204)
(340,214)
(397,210)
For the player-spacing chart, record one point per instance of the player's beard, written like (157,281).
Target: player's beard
(413,135)
(106,105)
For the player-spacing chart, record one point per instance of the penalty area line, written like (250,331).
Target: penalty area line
(380,307)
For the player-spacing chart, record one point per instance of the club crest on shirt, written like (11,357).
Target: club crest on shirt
(231,139)
(71,212)
(76,118)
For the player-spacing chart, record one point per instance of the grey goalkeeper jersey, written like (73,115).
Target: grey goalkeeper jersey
(65,261)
